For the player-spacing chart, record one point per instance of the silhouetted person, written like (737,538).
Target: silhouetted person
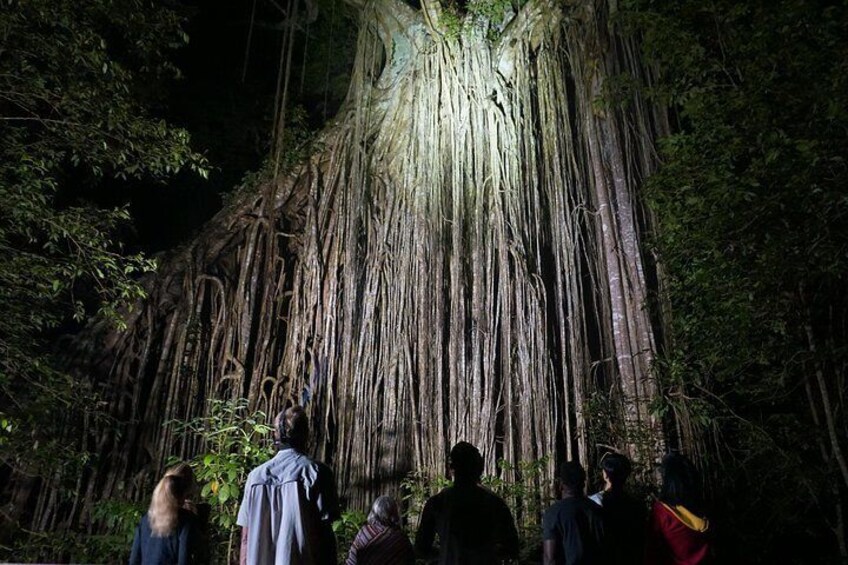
(624,515)
(381,541)
(168,532)
(474,526)
(678,533)
(572,529)
(289,503)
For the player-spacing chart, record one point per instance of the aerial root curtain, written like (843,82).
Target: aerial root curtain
(459,259)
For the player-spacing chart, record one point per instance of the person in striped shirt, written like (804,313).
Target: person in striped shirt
(381,540)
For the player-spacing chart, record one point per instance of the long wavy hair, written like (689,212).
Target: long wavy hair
(182,470)
(681,484)
(185,472)
(168,497)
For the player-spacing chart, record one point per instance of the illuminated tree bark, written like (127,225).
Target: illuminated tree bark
(460,256)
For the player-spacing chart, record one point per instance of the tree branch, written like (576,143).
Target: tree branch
(432,10)
(533,18)
(401,30)
(390,16)
(395,9)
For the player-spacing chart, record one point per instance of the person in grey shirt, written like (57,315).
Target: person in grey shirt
(289,503)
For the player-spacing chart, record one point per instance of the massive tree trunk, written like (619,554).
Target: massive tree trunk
(461,254)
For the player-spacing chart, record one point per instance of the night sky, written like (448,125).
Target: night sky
(229,119)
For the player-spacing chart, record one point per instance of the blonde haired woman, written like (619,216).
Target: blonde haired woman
(184,471)
(167,533)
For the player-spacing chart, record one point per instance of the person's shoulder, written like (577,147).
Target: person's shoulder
(396,536)
(446,492)
(568,508)
(364,535)
(634,503)
(440,498)
(587,505)
(322,468)
(263,467)
(598,498)
(554,515)
(260,470)
(557,507)
(187,519)
(491,498)
(660,512)
(309,468)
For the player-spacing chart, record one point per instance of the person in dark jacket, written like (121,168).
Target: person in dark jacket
(167,533)
(202,510)
(624,515)
(381,541)
(573,528)
(474,526)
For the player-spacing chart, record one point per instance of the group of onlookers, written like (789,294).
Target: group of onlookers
(290,503)
(611,526)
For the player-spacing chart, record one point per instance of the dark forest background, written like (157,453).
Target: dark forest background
(125,125)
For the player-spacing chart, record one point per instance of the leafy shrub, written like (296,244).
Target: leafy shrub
(235,441)
(346,528)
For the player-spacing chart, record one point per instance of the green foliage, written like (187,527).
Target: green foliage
(76,85)
(491,10)
(117,521)
(527,497)
(235,441)
(450,21)
(486,17)
(346,528)
(750,204)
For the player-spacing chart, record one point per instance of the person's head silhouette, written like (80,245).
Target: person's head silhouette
(572,479)
(681,485)
(291,428)
(616,469)
(466,463)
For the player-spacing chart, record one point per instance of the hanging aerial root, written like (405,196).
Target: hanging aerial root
(458,260)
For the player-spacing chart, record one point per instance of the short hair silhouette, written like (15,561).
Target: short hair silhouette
(617,468)
(293,426)
(466,462)
(572,476)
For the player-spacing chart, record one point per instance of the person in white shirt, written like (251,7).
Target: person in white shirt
(289,503)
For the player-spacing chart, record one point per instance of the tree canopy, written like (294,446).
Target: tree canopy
(751,205)
(78,90)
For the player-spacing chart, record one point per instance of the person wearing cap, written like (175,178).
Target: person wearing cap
(573,528)
(474,526)
(289,502)
(624,515)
